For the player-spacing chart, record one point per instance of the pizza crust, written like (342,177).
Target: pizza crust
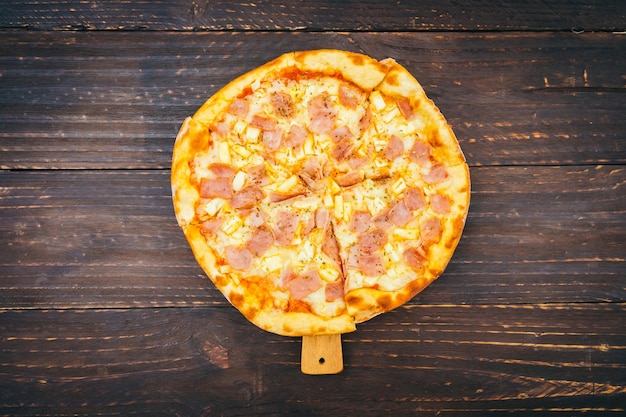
(251,293)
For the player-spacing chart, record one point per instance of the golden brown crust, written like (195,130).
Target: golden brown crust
(262,295)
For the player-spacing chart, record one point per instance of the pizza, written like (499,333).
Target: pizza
(319,190)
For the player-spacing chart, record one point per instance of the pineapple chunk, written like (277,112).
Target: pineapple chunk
(225,269)
(305,255)
(391,253)
(240,127)
(328,273)
(309,146)
(347,211)
(390,115)
(223,153)
(398,186)
(377,100)
(309,204)
(338,210)
(272,263)
(252,134)
(328,201)
(316,237)
(241,151)
(232,224)
(288,184)
(333,186)
(408,234)
(375,205)
(239,180)
(213,206)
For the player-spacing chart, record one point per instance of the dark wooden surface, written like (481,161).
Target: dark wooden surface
(104,311)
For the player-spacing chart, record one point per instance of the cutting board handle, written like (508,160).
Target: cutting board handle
(321,355)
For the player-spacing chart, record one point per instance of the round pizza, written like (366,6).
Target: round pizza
(319,190)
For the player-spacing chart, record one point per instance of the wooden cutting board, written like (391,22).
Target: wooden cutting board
(321,355)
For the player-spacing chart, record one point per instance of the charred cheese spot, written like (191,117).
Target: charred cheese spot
(356,301)
(385,301)
(298,306)
(220,280)
(358,60)
(415,287)
(392,79)
(237,299)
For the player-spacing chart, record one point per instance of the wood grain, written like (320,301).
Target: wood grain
(512,99)
(320,15)
(109,239)
(211,361)
(104,311)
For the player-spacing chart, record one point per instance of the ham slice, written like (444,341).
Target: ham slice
(216,187)
(420,152)
(334,290)
(238,257)
(349,95)
(365,121)
(261,240)
(415,258)
(357,162)
(405,108)
(286,225)
(248,197)
(343,149)
(296,136)
(360,221)
(258,174)
(276,197)
(321,113)
(399,214)
(305,284)
(383,220)
(262,122)
(372,240)
(286,276)
(348,179)
(430,231)
(322,218)
(435,174)
(211,226)
(352,260)
(341,133)
(310,225)
(440,203)
(330,246)
(222,129)
(222,170)
(239,107)
(414,198)
(283,104)
(255,216)
(312,174)
(372,264)
(394,148)
(272,139)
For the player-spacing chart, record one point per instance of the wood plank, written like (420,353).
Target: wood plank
(105,239)
(351,15)
(512,98)
(458,360)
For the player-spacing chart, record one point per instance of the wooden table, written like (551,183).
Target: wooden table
(104,311)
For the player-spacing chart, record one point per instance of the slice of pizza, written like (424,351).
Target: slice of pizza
(319,190)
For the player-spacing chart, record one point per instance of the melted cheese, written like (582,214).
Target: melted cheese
(386,182)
